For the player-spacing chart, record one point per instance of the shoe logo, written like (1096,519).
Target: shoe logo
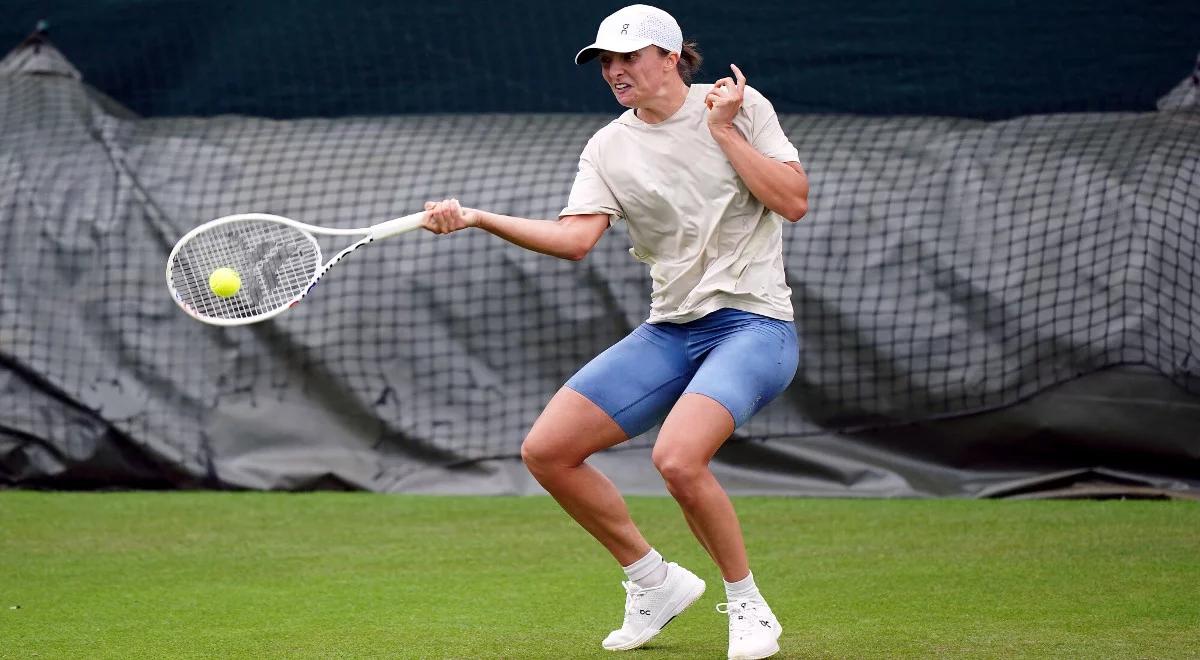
(644,612)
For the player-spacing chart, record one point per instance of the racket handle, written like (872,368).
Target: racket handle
(397,226)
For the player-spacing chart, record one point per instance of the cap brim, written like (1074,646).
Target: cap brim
(614,45)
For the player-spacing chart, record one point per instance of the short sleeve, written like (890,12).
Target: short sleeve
(589,193)
(768,136)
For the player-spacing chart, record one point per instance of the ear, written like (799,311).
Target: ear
(670,61)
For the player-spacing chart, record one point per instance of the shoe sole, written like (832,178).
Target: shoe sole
(649,633)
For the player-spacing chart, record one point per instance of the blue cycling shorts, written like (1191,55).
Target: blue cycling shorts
(741,360)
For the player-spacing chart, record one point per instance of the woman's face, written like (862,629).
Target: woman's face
(634,77)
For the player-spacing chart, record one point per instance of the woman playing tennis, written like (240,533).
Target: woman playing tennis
(704,176)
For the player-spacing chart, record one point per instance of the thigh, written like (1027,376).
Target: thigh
(694,430)
(638,379)
(570,429)
(748,367)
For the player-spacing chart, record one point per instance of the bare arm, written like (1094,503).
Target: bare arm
(782,187)
(569,237)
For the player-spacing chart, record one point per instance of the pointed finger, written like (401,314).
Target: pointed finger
(741,78)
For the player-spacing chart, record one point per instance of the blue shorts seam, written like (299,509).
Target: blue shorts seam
(647,395)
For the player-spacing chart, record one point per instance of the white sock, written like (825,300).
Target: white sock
(649,571)
(743,589)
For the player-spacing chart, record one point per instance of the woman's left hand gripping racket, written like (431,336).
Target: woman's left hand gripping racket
(249,267)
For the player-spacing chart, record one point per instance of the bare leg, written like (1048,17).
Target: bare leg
(696,427)
(570,429)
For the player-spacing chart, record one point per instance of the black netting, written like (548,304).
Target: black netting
(946,266)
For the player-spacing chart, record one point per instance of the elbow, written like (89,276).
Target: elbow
(796,210)
(576,252)
(578,247)
(579,235)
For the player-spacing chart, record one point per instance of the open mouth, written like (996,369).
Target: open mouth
(622,87)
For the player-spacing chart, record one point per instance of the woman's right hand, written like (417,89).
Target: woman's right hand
(448,216)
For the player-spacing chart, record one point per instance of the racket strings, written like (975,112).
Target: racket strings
(276,263)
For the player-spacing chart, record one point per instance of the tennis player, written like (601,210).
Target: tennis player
(703,175)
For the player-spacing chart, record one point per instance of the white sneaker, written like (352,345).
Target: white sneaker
(648,611)
(753,630)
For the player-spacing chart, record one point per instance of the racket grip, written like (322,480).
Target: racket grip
(397,226)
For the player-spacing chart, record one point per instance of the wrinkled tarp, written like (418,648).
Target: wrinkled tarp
(980,305)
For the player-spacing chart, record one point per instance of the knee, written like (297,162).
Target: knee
(678,472)
(533,453)
(542,455)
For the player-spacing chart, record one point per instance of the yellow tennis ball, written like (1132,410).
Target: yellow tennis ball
(225,282)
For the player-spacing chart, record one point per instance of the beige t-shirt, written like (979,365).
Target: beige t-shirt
(709,242)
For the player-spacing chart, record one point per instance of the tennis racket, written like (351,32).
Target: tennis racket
(276,259)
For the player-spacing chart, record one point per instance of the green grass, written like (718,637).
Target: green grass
(334,575)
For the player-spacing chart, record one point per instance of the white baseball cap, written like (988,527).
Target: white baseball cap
(632,28)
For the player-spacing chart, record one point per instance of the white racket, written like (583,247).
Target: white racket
(277,259)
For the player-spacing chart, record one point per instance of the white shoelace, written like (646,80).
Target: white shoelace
(632,592)
(742,618)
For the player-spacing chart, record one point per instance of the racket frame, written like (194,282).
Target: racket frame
(367,235)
